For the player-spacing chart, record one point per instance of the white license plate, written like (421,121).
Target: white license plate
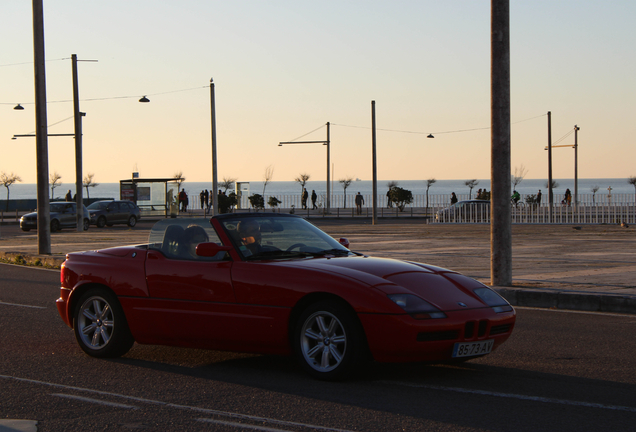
(470,349)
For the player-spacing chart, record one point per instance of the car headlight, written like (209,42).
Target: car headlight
(492,299)
(416,307)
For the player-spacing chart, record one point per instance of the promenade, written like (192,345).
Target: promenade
(579,267)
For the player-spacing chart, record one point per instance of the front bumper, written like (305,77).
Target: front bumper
(401,338)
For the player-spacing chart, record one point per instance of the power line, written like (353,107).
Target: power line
(434,133)
(302,136)
(111,98)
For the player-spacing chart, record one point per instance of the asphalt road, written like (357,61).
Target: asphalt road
(564,371)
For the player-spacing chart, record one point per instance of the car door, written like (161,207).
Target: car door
(113,214)
(67,217)
(191,301)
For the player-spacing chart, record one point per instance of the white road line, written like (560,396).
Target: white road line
(21,305)
(95,401)
(242,425)
(612,314)
(513,396)
(176,406)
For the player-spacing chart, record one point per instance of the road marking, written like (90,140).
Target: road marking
(21,305)
(513,396)
(612,314)
(177,406)
(95,401)
(242,425)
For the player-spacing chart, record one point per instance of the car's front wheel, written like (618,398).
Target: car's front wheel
(132,221)
(100,325)
(329,341)
(101,222)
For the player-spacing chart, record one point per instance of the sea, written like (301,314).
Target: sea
(604,187)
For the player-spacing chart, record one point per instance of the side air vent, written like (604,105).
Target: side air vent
(495,330)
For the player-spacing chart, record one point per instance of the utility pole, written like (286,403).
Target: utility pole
(576,166)
(500,224)
(328,169)
(79,202)
(215,195)
(550,195)
(41,132)
(375,166)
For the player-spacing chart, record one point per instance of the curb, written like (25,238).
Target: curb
(570,300)
(20,258)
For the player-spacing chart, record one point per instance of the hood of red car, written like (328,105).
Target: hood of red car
(444,288)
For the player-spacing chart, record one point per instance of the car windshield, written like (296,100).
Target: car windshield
(99,205)
(279,237)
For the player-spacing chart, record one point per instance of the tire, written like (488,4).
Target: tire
(26,229)
(100,326)
(87,224)
(55,225)
(101,222)
(329,341)
(132,221)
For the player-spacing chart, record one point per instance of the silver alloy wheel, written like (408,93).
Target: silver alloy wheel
(323,341)
(96,323)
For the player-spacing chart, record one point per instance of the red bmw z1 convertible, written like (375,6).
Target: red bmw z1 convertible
(275,284)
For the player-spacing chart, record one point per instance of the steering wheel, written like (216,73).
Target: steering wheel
(294,246)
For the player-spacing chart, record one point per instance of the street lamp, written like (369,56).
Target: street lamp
(327,143)
(575,146)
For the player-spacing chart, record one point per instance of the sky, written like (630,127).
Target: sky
(283,69)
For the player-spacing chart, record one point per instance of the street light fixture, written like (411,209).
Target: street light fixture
(144,99)
(327,143)
(18,107)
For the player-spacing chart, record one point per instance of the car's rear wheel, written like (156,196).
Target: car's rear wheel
(329,341)
(55,225)
(132,221)
(100,325)
(87,224)
(101,222)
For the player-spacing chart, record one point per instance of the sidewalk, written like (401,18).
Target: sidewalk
(588,267)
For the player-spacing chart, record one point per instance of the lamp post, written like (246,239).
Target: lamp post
(327,143)
(215,196)
(575,146)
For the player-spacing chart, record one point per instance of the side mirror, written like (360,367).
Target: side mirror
(211,249)
(344,242)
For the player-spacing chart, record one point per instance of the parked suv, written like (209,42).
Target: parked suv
(63,215)
(108,213)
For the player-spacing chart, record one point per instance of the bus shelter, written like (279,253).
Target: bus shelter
(153,196)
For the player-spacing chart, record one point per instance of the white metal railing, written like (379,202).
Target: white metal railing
(591,209)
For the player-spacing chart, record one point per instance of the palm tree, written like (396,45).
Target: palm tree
(429,183)
(471,184)
(267,177)
(7,180)
(54,182)
(345,182)
(88,183)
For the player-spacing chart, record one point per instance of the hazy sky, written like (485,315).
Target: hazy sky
(285,68)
